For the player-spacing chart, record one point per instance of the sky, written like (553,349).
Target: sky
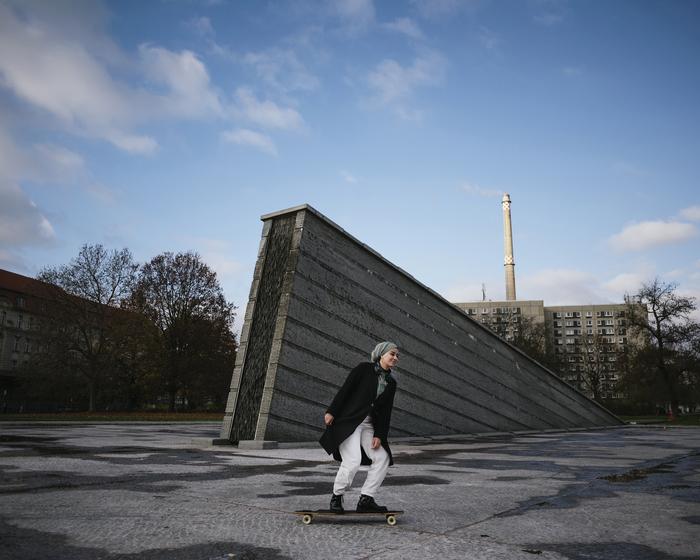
(173,125)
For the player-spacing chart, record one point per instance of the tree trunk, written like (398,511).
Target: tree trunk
(92,391)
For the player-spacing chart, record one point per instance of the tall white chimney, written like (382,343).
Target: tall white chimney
(508,261)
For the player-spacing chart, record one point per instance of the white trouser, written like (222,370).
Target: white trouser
(352,457)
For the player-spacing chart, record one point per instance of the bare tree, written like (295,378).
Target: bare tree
(594,353)
(181,296)
(662,317)
(77,327)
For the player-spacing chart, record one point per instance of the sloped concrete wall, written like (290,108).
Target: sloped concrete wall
(320,301)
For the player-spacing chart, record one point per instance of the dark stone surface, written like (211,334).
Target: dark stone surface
(334,298)
(128,491)
(262,329)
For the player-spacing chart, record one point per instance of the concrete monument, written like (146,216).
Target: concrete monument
(321,299)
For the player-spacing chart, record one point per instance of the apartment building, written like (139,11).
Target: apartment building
(590,342)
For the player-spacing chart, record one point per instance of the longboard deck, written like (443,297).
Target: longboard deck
(307,516)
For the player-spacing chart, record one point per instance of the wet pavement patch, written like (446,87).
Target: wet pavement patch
(413,480)
(637,474)
(608,551)
(20,544)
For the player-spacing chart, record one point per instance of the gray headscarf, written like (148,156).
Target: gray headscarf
(381,349)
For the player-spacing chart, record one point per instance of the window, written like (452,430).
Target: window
(557,315)
(16,344)
(589,314)
(589,323)
(20,301)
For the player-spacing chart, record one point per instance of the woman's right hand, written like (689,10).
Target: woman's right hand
(328,419)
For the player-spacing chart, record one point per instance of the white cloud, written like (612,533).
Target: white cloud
(245,137)
(188,90)
(550,12)
(61,157)
(282,70)
(215,253)
(393,84)
(440,9)
(489,38)
(406,26)
(691,213)
(626,283)
(202,26)
(57,75)
(473,189)
(561,287)
(101,193)
(348,177)
(645,235)
(266,114)
(21,222)
(355,15)
(65,68)
(464,293)
(132,143)
(548,19)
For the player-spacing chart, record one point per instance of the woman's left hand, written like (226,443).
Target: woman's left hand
(376,442)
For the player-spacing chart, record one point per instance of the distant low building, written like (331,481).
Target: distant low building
(22,304)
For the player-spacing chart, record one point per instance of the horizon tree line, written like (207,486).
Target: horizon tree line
(118,335)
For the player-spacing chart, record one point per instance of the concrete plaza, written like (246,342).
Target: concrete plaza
(156,491)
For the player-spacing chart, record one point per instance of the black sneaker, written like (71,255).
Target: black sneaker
(337,504)
(368,505)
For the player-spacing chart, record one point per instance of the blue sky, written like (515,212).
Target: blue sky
(173,125)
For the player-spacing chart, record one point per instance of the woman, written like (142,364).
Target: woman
(357,426)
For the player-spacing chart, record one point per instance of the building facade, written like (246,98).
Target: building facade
(22,304)
(589,343)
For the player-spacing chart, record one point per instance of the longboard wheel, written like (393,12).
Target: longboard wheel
(306,519)
(391,520)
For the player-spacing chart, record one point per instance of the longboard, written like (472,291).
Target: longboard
(307,516)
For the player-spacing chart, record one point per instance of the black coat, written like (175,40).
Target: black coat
(356,400)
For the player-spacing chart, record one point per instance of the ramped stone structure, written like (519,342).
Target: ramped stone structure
(321,299)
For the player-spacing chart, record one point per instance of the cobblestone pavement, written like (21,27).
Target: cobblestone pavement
(157,491)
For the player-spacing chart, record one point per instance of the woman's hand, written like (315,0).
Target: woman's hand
(376,442)
(328,419)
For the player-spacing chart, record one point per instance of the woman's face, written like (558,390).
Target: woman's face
(390,359)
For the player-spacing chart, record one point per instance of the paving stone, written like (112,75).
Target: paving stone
(156,491)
